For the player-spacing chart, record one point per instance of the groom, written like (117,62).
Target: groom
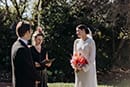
(24,73)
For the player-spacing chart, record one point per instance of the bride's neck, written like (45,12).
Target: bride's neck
(38,45)
(84,38)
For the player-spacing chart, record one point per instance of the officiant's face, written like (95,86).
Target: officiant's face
(38,40)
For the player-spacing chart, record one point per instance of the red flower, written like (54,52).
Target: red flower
(79,60)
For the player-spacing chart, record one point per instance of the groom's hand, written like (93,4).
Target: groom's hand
(37,64)
(37,82)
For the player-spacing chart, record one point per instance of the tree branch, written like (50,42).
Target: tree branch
(15,4)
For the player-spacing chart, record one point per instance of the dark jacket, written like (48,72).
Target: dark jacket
(39,57)
(23,69)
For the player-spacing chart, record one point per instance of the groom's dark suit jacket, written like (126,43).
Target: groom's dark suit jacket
(23,67)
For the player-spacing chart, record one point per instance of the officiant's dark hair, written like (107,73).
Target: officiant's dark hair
(39,34)
(83,26)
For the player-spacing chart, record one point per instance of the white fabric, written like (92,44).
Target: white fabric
(87,77)
(90,34)
(25,41)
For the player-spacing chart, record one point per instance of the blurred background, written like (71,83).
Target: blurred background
(109,21)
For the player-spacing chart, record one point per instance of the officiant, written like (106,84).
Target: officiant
(40,54)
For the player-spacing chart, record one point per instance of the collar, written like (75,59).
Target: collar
(25,41)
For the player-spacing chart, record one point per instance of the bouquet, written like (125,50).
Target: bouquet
(78,60)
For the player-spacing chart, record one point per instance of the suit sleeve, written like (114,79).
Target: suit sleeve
(26,64)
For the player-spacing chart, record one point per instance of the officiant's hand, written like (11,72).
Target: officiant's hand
(37,64)
(48,64)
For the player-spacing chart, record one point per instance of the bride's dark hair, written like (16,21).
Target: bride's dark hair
(83,26)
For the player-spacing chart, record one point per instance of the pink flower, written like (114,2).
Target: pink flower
(39,29)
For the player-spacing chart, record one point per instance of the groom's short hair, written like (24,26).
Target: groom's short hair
(22,27)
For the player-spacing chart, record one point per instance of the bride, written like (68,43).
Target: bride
(85,45)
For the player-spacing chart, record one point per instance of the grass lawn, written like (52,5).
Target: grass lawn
(68,85)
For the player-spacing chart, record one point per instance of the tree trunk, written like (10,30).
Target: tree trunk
(127,46)
(124,53)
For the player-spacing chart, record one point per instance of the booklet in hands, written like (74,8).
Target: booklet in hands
(47,61)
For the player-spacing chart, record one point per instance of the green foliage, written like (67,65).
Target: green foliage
(60,32)
(5,40)
(60,84)
(69,85)
(59,19)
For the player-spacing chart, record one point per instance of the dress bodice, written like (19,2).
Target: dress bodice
(83,47)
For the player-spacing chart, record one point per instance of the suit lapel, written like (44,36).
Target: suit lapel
(23,44)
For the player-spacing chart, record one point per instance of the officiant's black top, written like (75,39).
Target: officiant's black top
(39,57)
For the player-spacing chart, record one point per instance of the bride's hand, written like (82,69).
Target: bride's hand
(77,69)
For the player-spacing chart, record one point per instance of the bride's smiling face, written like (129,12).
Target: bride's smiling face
(80,32)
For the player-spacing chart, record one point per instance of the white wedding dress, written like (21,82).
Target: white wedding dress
(86,78)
